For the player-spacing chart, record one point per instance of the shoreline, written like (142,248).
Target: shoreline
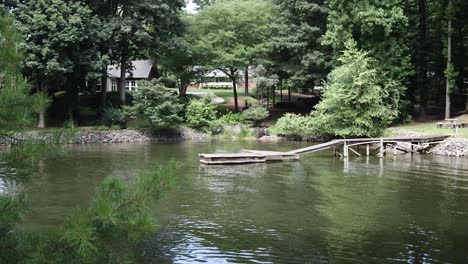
(454,147)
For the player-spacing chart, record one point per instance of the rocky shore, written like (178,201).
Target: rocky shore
(455,147)
(110,136)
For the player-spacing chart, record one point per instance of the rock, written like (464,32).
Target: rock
(271,138)
(452,147)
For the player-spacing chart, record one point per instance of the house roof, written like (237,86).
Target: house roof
(141,70)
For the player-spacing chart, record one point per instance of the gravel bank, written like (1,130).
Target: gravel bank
(455,147)
(111,136)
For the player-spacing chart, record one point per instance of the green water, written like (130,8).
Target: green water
(408,209)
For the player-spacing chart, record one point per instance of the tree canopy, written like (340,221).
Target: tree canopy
(233,34)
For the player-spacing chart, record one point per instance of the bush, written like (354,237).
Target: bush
(200,113)
(232,119)
(255,115)
(114,116)
(295,125)
(161,106)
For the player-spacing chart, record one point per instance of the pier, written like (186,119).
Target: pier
(341,147)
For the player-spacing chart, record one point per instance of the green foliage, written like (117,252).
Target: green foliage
(61,39)
(232,119)
(295,125)
(229,35)
(451,75)
(255,115)
(17,106)
(353,103)
(114,116)
(200,113)
(155,102)
(105,232)
(296,50)
(378,27)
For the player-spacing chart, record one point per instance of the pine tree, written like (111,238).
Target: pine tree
(378,27)
(354,102)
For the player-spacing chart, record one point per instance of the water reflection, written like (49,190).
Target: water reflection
(322,209)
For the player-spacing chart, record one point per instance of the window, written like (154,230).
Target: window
(131,85)
(114,85)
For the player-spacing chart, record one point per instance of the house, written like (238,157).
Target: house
(218,78)
(140,70)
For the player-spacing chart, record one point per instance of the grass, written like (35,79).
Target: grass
(225,94)
(431,128)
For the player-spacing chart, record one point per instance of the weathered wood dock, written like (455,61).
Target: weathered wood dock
(342,147)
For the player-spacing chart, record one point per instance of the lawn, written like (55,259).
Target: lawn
(431,128)
(223,93)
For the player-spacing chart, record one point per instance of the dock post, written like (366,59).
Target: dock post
(368,150)
(345,149)
(395,149)
(381,154)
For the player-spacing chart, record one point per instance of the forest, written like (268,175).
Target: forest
(415,50)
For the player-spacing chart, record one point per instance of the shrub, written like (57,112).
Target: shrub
(232,119)
(200,113)
(255,115)
(114,116)
(296,125)
(160,105)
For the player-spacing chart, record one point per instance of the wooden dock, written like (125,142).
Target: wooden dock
(347,146)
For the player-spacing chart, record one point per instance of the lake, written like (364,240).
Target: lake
(323,209)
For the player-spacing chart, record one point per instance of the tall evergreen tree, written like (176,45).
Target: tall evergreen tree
(379,27)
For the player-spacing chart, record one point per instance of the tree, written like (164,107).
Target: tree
(354,103)
(183,59)
(57,36)
(17,106)
(266,82)
(378,27)
(232,34)
(137,28)
(449,71)
(297,51)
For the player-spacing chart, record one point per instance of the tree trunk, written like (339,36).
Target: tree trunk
(183,88)
(103,91)
(289,94)
(273,94)
(246,81)
(268,98)
(466,107)
(122,80)
(449,62)
(41,123)
(234,89)
(422,57)
(281,90)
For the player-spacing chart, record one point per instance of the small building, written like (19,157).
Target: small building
(218,78)
(140,70)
